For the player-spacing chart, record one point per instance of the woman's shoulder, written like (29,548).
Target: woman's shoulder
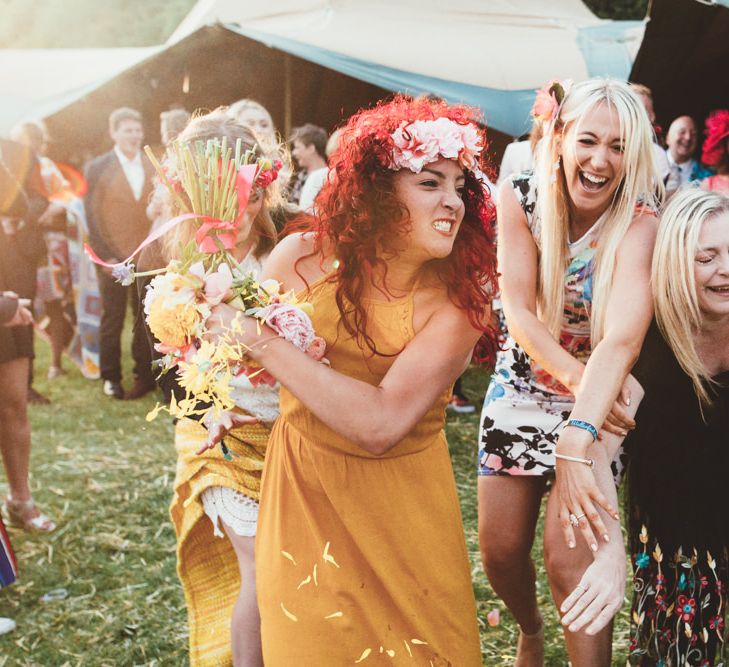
(296,261)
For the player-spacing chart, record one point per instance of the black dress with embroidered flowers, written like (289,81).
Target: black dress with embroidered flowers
(678,509)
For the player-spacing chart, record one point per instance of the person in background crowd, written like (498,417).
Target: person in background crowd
(120,183)
(254,115)
(55,288)
(171,123)
(645,95)
(309,150)
(12,313)
(681,142)
(18,204)
(715,151)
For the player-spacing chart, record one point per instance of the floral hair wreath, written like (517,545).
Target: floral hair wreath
(420,142)
(549,100)
(716,131)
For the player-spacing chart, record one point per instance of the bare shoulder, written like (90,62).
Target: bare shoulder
(642,230)
(433,306)
(294,262)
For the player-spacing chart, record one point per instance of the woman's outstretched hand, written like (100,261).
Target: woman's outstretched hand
(578,495)
(220,427)
(599,595)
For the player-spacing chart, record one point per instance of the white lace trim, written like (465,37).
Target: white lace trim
(233,508)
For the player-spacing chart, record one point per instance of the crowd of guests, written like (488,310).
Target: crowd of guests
(608,327)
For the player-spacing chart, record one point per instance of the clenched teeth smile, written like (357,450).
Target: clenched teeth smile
(443,225)
(597,180)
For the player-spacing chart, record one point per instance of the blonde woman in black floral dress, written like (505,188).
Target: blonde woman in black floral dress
(679,451)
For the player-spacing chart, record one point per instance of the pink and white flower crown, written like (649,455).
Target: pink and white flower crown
(424,141)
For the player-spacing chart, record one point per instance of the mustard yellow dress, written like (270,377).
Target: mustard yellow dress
(362,559)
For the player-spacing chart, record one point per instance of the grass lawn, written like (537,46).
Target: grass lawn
(106,475)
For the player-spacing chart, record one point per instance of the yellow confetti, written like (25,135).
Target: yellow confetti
(407,646)
(418,641)
(286,554)
(327,557)
(304,582)
(288,613)
(382,649)
(390,653)
(152,414)
(365,653)
(316,583)
(336,614)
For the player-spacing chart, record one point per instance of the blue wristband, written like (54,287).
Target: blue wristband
(585,426)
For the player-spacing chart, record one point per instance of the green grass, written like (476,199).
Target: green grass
(106,475)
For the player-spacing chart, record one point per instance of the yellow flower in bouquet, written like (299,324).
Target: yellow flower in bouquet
(174,326)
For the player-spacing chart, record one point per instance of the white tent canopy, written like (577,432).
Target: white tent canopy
(493,53)
(35,83)
(490,53)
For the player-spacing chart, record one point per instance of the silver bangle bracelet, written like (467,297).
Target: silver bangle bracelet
(575,459)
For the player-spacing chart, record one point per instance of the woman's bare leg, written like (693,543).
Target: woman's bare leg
(14,426)
(508,508)
(245,627)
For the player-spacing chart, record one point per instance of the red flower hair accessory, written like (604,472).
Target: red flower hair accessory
(716,131)
(549,99)
(267,172)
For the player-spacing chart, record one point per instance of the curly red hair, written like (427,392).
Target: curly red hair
(357,208)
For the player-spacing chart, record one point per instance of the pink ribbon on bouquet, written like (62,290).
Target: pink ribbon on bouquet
(211,226)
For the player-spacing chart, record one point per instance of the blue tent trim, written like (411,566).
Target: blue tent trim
(506,110)
(604,49)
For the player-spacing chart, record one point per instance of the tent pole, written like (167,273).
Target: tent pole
(287,95)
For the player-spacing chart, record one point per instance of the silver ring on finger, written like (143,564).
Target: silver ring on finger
(582,588)
(574,520)
(580,516)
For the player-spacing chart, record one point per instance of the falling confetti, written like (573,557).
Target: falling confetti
(418,641)
(364,655)
(288,613)
(493,617)
(390,653)
(304,582)
(316,583)
(327,557)
(286,554)
(336,614)
(407,646)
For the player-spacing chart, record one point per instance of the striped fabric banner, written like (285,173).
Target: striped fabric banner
(8,565)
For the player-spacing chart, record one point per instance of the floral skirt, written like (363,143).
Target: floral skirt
(679,606)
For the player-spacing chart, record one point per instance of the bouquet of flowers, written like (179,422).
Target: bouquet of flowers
(211,184)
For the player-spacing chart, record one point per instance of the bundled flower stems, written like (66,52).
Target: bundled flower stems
(210,183)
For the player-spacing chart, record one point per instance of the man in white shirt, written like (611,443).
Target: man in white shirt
(119,185)
(681,142)
(309,150)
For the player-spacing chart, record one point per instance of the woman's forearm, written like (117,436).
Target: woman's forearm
(534,338)
(367,415)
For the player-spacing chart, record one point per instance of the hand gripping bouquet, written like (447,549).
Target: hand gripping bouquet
(211,182)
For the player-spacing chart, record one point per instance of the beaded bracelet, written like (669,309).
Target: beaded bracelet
(585,426)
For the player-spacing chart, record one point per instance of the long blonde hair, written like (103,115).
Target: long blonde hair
(636,186)
(219,124)
(672,277)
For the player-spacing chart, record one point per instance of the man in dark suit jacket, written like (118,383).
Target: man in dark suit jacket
(119,185)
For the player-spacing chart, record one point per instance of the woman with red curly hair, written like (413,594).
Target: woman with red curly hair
(715,151)
(360,550)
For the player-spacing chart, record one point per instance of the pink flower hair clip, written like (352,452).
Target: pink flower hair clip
(424,141)
(549,100)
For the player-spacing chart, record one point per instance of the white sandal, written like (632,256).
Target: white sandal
(18,510)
